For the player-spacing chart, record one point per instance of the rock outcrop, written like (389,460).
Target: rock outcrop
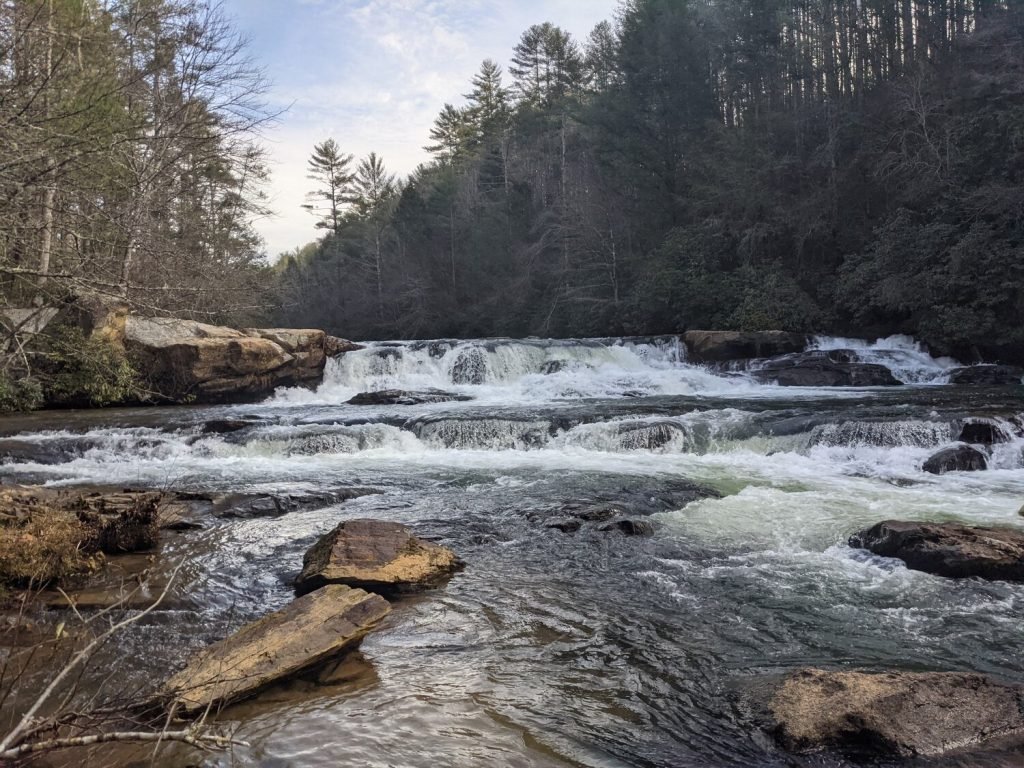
(404,397)
(987,375)
(308,632)
(948,549)
(895,714)
(832,368)
(376,555)
(184,360)
(721,346)
(956,458)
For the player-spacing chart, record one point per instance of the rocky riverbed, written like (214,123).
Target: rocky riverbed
(655,547)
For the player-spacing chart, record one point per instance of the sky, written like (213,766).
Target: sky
(373,74)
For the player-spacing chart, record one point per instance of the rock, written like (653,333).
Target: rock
(226,426)
(553,366)
(629,527)
(186,361)
(987,375)
(250,505)
(982,433)
(333,346)
(402,397)
(307,632)
(718,346)
(895,714)
(958,458)
(564,524)
(121,522)
(823,369)
(948,549)
(375,555)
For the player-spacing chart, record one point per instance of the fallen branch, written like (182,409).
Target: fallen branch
(191,737)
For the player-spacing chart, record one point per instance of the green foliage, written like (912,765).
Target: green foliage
(19,394)
(85,370)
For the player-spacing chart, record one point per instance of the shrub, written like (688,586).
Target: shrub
(83,370)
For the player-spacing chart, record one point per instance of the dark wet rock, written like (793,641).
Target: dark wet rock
(629,527)
(957,458)
(823,369)
(718,346)
(306,633)
(554,366)
(376,555)
(404,397)
(895,714)
(121,522)
(987,375)
(334,346)
(564,524)
(948,549)
(226,426)
(648,435)
(470,367)
(245,505)
(982,433)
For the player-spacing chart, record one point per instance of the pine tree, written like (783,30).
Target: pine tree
(547,66)
(452,134)
(488,101)
(372,185)
(329,168)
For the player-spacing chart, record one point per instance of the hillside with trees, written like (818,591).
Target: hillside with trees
(807,165)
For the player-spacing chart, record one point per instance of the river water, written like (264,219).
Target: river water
(585,649)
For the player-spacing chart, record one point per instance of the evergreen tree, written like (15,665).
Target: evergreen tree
(330,168)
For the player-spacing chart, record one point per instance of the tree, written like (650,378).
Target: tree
(453,134)
(488,102)
(330,169)
(547,66)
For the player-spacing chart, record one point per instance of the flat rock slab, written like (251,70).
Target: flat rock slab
(948,549)
(376,555)
(902,714)
(305,633)
(405,397)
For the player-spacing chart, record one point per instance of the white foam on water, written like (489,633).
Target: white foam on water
(908,359)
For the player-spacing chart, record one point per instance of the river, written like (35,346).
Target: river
(585,649)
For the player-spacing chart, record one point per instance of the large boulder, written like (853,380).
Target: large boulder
(185,360)
(376,555)
(720,346)
(956,458)
(948,549)
(895,714)
(306,633)
(987,375)
(834,368)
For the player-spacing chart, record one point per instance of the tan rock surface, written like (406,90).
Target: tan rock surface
(376,555)
(309,631)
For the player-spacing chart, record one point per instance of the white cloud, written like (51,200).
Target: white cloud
(373,75)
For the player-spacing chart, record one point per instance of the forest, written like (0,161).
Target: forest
(809,165)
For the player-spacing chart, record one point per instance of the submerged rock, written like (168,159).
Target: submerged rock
(375,555)
(307,632)
(470,367)
(629,527)
(831,368)
(719,346)
(895,714)
(948,549)
(958,458)
(404,397)
(987,375)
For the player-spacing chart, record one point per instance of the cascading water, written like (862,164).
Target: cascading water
(560,649)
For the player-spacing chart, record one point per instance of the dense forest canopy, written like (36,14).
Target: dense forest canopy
(799,164)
